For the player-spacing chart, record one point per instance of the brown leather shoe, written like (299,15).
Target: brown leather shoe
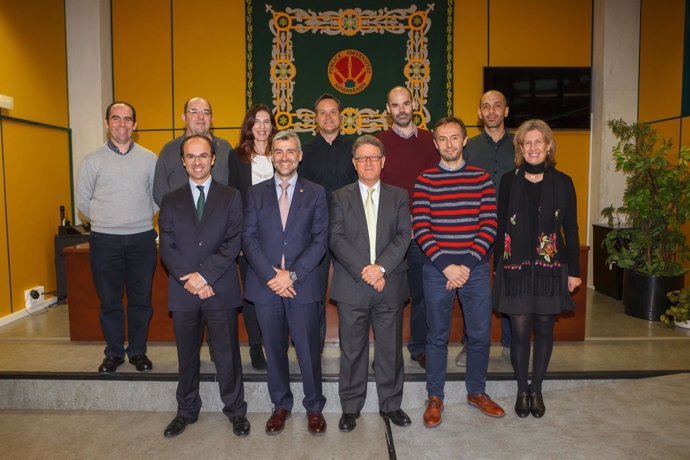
(276,422)
(484,403)
(432,413)
(316,423)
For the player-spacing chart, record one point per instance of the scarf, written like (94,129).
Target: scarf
(533,266)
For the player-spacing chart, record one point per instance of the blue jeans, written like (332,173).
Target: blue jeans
(418,326)
(475,296)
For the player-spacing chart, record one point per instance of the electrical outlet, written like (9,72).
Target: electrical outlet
(34,298)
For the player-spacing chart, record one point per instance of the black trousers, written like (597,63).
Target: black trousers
(119,264)
(251,324)
(222,335)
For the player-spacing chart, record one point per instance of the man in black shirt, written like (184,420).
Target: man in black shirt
(327,160)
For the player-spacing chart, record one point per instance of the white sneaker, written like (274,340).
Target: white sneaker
(461,359)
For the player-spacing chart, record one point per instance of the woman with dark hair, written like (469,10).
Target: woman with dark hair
(250,163)
(536,270)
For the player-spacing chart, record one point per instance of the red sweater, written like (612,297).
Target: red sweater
(407,158)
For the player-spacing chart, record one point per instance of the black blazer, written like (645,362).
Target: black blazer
(209,246)
(239,174)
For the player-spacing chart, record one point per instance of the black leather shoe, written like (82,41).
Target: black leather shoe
(421,360)
(348,422)
(177,426)
(398,417)
(522,404)
(141,362)
(110,364)
(536,405)
(256,353)
(240,425)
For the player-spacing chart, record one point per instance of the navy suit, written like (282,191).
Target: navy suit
(303,242)
(209,247)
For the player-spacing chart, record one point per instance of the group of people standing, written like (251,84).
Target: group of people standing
(406,215)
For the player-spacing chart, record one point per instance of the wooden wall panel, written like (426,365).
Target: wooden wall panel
(142,64)
(540,33)
(36,184)
(661,59)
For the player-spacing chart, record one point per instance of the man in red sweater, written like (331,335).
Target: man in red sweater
(409,152)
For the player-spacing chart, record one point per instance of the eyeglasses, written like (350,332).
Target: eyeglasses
(203,113)
(203,157)
(373,159)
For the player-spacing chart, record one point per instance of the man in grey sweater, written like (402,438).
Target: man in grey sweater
(170,173)
(114,186)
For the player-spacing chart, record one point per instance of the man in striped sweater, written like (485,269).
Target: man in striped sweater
(454,222)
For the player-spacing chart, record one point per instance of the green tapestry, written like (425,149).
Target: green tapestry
(355,50)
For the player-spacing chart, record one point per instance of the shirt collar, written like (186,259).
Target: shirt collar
(206,184)
(400,133)
(292,181)
(443,166)
(114,148)
(364,188)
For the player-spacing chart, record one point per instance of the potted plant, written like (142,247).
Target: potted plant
(679,311)
(652,249)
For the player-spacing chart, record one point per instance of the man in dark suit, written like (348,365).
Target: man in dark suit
(370,231)
(201,225)
(285,236)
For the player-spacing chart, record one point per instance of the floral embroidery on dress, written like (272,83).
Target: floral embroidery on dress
(547,246)
(513,219)
(556,213)
(506,247)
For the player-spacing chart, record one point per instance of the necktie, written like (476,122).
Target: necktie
(200,202)
(284,206)
(371,223)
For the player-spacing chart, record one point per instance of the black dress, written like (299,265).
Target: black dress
(570,266)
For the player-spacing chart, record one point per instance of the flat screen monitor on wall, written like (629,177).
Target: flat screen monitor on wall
(561,96)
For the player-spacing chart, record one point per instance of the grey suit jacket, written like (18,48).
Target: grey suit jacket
(349,242)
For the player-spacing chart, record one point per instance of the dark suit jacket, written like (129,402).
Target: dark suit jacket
(304,241)
(239,174)
(209,246)
(349,242)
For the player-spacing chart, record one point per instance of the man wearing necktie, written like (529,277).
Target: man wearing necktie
(369,236)
(284,238)
(201,225)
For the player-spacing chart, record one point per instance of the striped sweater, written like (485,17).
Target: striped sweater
(454,215)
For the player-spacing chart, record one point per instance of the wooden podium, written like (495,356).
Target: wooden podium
(84,307)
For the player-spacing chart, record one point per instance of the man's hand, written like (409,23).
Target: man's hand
(280,283)
(457,276)
(379,285)
(206,292)
(193,282)
(371,274)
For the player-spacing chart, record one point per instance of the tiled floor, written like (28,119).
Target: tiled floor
(630,418)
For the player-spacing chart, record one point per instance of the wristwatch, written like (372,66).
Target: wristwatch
(293,276)
(383,270)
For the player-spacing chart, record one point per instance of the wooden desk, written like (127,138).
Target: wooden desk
(84,307)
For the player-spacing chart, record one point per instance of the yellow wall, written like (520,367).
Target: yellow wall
(35,159)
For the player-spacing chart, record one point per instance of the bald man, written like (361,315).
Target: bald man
(409,152)
(491,150)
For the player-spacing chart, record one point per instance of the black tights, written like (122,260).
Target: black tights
(521,330)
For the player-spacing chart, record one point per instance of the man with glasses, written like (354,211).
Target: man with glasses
(369,236)
(409,151)
(284,238)
(327,161)
(114,193)
(170,173)
(201,231)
